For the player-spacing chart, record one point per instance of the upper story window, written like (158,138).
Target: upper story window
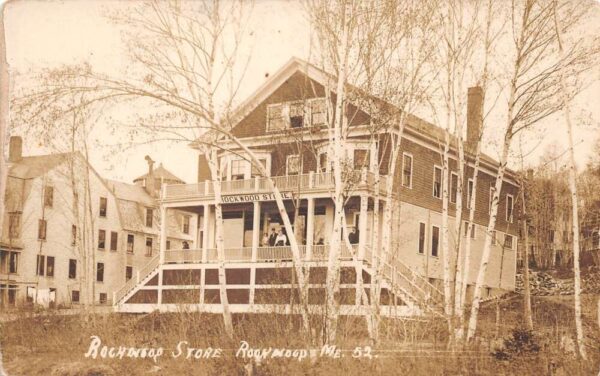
(48,196)
(130,240)
(148,246)
(293,164)
(114,236)
(470,185)
(453,187)
(103,204)
(508,241)
(407,168)
(509,208)
(437,182)
(186,224)
(238,169)
(421,238)
(323,162)
(102,239)
(14,225)
(42,224)
(296,114)
(149,217)
(318,111)
(72,268)
(361,158)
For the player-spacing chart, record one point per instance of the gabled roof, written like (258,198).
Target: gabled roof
(34,166)
(161,173)
(130,192)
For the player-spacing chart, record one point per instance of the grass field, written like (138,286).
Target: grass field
(53,344)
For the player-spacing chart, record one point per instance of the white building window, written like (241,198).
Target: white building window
(275,117)
(318,112)
(509,241)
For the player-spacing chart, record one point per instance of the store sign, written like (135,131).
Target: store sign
(230,199)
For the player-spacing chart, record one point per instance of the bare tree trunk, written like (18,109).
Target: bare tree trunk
(446,257)
(573,189)
(211,157)
(527,291)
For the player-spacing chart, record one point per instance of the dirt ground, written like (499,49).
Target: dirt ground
(52,344)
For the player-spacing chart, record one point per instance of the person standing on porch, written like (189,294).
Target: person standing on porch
(265,240)
(272,237)
(281,239)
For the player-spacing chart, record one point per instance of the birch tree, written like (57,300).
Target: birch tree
(531,91)
(187,66)
(566,109)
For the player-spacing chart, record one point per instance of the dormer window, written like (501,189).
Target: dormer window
(238,169)
(318,112)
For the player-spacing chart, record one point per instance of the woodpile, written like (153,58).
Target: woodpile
(543,284)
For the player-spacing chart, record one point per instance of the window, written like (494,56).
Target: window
(75,296)
(101,239)
(14,225)
(421,238)
(275,119)
(470,185)
(238,169)
(72,269)
(128,272)
(13,262)
(130,240)
(149,214)
(103,203)
(73,234)
(509,208)
(293,164)
(297,115)
(323,162)
(48,196)
(114,240)
(361,158)
(168,245)
(437,182)
(318,112)
(453,187)
(508,241)
(435,240)
(466,229)
(148,246)
(40,266)
(102,298)
(100,272)
(255,171)
(186,224)
(42,224)
(407,167)
(50,266)
(9,262)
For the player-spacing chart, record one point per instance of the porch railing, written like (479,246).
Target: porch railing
(244,254)
(136,279)
(303,182)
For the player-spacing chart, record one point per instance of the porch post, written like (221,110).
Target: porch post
(205,232)
(255,229)
(163,234)
(310,227)
(362,226)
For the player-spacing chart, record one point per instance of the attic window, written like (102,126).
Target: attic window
(275,117)
(296,115)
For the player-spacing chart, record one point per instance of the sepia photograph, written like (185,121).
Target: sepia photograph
(299,187)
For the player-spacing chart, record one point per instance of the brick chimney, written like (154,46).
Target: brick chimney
(150,177)
(474,115)
(15,149)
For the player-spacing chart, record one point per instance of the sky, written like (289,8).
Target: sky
(50,33)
